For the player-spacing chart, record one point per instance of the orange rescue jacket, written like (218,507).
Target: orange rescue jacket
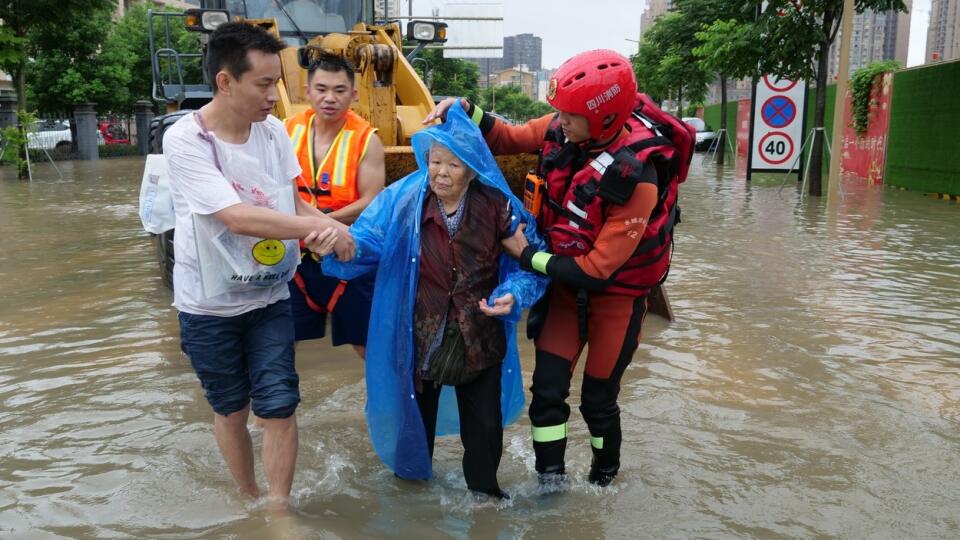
(331,184)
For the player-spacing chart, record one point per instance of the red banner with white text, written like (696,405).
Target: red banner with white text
(865,154)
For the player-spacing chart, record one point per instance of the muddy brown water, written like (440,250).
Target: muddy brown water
(810,386)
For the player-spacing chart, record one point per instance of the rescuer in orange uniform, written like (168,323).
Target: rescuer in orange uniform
(605,194)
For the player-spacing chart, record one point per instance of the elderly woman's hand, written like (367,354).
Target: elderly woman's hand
(345,247)
(321,243)
(515,244)
(501,306)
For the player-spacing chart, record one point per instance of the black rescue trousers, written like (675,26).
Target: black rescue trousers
(612,347)
(481,427)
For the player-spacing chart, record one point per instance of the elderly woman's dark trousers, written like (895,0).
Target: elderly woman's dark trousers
(481,426)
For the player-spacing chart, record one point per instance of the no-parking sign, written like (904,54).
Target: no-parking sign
(777,124)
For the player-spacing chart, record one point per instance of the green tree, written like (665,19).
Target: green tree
(511,102)
(70,68)
(726,45)
(111,68)
(796,44)
(665,60)
(448,76)
(24,19)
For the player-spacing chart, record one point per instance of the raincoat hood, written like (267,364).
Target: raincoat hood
(387,235)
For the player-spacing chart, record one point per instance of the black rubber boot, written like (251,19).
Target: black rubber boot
(550,456)
(551,472)
(606,461)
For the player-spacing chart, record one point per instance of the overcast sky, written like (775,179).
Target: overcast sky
(571,26)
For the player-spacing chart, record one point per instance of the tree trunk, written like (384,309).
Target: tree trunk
(721,140)
(20,76)
(679,102)
(816,152)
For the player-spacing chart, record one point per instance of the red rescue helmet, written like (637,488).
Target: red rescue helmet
(595,84)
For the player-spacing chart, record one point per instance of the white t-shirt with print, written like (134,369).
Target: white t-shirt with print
(198,187)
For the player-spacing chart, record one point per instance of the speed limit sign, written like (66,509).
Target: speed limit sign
(777,125)
(775,147)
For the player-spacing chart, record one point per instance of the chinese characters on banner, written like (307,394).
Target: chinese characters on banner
(865,154)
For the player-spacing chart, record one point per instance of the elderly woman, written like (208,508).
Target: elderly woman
(445,306)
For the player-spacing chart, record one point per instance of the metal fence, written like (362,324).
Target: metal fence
(51,138)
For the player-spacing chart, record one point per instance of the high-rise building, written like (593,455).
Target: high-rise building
(655,10)
(522,49)
(943,34)
(876,36)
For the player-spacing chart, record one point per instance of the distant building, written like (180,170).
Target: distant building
(543,83)
(517,76)
(523,50)
(943,34)
(519,50)
(736,90)
(655,10)
(876,36)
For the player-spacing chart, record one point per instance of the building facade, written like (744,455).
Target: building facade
(655,10)
(943,34)
(517,76)
(519,50)
(736,90)
(877,35)
(523,50)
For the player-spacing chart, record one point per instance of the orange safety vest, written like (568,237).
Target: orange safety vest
(333,184)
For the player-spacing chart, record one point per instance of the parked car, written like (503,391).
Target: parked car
(705,134)
(56,135)
(49,135)
(112,133)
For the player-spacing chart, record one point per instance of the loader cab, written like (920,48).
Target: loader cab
(301,20)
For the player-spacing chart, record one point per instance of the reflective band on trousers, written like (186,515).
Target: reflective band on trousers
(550,433)
(597,442)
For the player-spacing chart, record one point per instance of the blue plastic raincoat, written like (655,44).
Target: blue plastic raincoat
(387,236)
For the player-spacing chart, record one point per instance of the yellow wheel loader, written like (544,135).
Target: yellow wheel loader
(392,96)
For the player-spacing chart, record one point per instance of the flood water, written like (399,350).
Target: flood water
(810,386)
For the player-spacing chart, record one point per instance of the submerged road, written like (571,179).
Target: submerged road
(809,387)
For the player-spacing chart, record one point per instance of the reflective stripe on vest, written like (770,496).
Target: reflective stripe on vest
(331,184)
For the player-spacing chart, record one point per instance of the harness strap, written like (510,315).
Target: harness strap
(311,303)
(661,238)
(316,192)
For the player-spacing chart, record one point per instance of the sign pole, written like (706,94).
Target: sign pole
(840,101)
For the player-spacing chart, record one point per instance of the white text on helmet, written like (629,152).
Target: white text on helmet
(606,96)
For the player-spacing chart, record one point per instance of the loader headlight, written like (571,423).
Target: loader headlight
(205,20)
(427,31)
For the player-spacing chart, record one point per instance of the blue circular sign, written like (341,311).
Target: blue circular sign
(778,111)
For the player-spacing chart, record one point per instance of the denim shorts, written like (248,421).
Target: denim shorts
(245,357)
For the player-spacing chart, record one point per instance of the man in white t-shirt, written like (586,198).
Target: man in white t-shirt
(240,342)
